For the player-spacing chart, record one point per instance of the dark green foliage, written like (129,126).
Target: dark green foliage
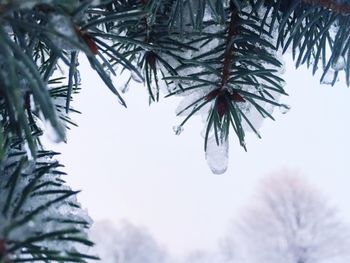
(38,212)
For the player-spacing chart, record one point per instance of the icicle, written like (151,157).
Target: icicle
(217,155)
(339,64)
(328,78)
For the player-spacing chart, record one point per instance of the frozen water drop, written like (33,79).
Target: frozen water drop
(284,108)
(178,129)
(31,223)
(339,64)
(328,77)
(217,155)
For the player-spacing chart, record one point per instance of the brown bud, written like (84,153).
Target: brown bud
(90,43)
(150,57)
(213,94)
(88,40)
(221,105)
(236,97)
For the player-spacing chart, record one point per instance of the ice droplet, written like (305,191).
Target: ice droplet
(217,155)
(178,129)
(284,108)
(339,64)
(328,78)
(31,223)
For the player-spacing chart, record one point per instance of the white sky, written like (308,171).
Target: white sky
(130,165)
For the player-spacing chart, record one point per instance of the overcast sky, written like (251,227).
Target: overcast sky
(130,165)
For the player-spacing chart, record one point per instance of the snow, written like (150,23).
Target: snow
(63,25)
(51,132)
(190,101)
(47,220)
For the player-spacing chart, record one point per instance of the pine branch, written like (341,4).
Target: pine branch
(228,46)
(333,6)
(33,227)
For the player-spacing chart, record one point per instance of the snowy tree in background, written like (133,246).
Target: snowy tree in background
(291,222)
(204,257)
(223,57)
(127,244)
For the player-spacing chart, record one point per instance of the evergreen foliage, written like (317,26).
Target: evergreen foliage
(222,56)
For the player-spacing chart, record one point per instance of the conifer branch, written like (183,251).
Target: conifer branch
(228,49)
(333,6)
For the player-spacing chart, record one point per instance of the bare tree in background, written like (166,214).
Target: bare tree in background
(291,222)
